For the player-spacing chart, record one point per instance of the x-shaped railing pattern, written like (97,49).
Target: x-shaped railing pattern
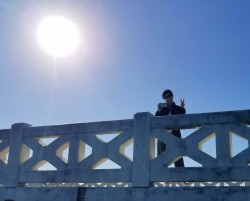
(44,153)
(110,150)
(100,150)
(190,146)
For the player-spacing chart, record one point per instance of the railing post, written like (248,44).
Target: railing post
(142,152)
(11,172)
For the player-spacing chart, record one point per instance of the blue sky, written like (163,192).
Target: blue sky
(131,52)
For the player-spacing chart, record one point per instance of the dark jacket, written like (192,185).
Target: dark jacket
(175,110)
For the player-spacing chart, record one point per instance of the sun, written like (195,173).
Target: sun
(58,36)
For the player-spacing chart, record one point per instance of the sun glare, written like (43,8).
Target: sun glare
(58,36)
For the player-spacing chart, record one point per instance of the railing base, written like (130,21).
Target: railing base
(124,194)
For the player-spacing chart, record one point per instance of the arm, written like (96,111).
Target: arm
(182,107)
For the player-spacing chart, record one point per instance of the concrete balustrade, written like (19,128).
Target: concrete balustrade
(69,166)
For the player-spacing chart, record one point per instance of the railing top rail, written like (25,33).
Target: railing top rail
(5,133)
(196,120)
(89,127)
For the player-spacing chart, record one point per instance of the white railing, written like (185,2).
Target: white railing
(74,152)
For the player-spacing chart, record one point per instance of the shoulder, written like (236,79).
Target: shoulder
(179,110)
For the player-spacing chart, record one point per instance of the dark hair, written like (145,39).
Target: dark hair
(168,91)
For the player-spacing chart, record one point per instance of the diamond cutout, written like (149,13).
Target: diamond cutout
(63,152)
(84,151)
(106,163)
(156,147)
(127,149)
(208,145)
(43,166)
(26,153)
(171,164)
(107,137)
(188,162)
(45,141)
(153,148)
(238,144)
(4,155)
(187,132)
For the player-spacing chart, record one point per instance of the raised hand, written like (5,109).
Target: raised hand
(182,103)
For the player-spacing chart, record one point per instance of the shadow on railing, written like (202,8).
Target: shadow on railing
(122,153)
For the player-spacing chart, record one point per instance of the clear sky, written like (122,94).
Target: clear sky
(130,52)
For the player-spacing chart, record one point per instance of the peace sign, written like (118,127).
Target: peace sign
(182,103)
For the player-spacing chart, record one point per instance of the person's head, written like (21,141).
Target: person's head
(167,95)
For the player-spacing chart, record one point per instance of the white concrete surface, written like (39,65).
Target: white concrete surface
(22,155)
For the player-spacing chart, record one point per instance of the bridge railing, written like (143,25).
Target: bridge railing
(74,151)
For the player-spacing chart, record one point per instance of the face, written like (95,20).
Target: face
(168,98)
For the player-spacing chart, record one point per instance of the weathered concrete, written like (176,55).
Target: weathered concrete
(38,194)
(140,172)
(168,194)
(125,194)
(22,154)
